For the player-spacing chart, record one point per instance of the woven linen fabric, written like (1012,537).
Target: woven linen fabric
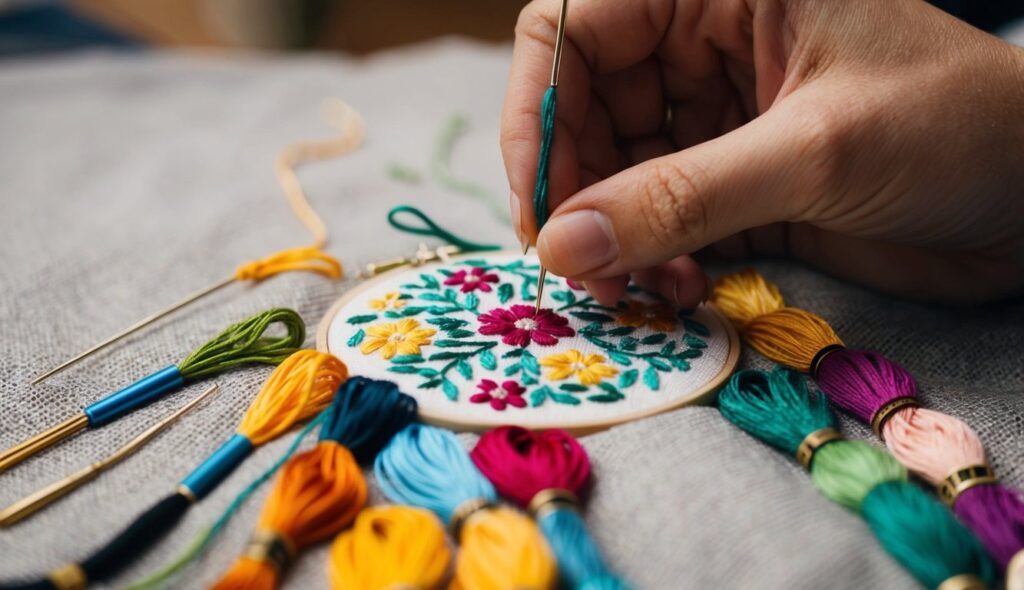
(130,180)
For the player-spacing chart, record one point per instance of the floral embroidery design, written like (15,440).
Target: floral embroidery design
(475,278)
(403,337)
(589,369)
(391,300)
(509,394)
(521,324)
(466,327)
(657,316)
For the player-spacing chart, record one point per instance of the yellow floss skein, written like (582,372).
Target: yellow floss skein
(501,549)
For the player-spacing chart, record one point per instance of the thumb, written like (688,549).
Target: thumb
(769,170)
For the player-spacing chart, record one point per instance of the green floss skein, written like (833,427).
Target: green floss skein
(244,343)
(914,529)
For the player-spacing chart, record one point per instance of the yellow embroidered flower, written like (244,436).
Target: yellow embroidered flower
(589,369)
(657,316)
(390,301)
(402,337)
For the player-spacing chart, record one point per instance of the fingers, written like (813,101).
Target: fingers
(764,172)
(680,281)
(636,28)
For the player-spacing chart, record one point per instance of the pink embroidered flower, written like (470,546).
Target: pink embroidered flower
(475,278)
(509,394)
(520,324)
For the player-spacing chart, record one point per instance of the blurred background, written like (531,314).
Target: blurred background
(357,27)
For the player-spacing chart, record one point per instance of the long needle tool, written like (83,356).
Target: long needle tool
(310,258)
(547,130)
(42,498)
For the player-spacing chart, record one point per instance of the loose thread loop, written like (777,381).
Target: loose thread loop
(244,343)
(432,229)
(306,258)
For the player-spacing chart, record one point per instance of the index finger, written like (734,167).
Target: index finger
(600,36)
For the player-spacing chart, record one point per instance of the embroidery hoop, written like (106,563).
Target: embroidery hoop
(702,395)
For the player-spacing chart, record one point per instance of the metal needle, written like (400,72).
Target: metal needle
(559,38)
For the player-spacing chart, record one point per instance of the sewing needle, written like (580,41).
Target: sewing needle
(559,38)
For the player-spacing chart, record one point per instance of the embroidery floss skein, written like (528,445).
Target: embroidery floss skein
(390,547)
(917,531)
(499,548)
(240,344)
(301,387)
(307,258)
(940,448)
(321,491)
(547,472)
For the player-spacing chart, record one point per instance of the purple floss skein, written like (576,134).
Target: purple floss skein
(862,382)
(976,506)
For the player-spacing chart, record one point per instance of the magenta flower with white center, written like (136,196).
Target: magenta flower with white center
(509,394)
(472,280)
(520,324)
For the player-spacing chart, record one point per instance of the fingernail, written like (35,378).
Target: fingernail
(580,241)
(516,215)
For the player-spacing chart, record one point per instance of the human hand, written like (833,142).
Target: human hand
(880,140)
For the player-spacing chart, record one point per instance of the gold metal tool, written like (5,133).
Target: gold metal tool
(43,497)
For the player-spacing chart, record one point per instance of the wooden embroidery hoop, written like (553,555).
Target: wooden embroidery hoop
(703,395)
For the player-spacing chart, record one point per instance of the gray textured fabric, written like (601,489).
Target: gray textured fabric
(127,181)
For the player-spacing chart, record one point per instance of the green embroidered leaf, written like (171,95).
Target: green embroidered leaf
(659,364)
(362,319)
(356,338)
(680,363)
(447,324)
(628,378)
(651,379)
(598,342)
(446,272)
(464,369)
(428,372)
(605,398)
(654,338)
(406,369)
(528,379)
(620,358)
(530,364)
(589,316)
(564,398)
(511,265)
(472,301)
(433,297)
(460,333)
(407,359)
(514,353)
(567,297)
(445,356)
(451,295)
(572,387)
(593,329)
(429,384)
(430,281)
(694,342)
(609,387)
(628,343)
(449,389)
(512,369)
(691,353)
(487,360)
(411,286)
(405,296)
(505,292)
(537,396)
(696,327)
(440,310)
(392,314)
(524,289)
(622,331)
(457,343)
(668,348)
(476,262)
(411,311)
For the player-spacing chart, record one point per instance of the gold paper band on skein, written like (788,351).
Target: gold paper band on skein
(551,499)
(820,356)
(888,410)
(1015,572)
(463,512)
(272,548)
(814,441)
(963,582)
(964,478)
(69,577)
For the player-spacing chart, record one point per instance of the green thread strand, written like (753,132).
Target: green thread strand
(244,343)
(202,542)
(432,229)
(776,408)
(923,536)
(441,167)
(547,133)
(847,470)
